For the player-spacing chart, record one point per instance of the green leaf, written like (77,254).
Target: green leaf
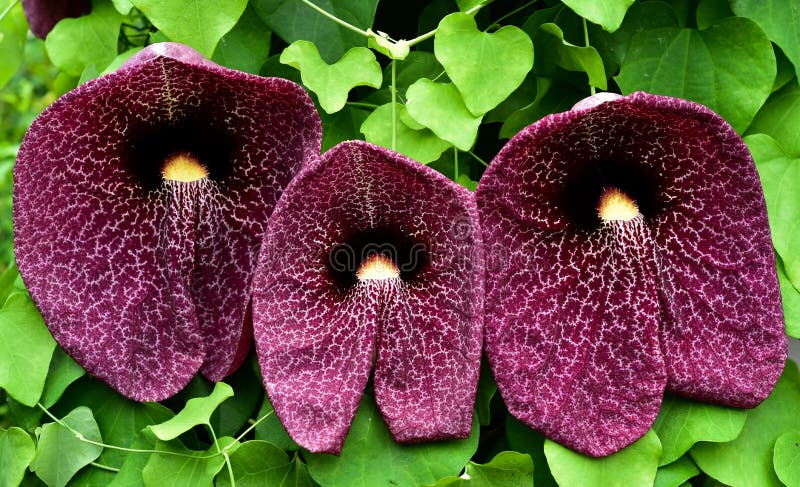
(292,20)
(791,301)
(7,280)
(258,463)
(342,125)
(485,68)
(16,452)
(682,422)
(246,46)
(729,67)
(507,469)
(232,415)
(555,51)
(13,29)
(439,107)
(60,454)
(332,82)
(371,457)
(63,372)
(526,440)
(421,145)
(786,458)
(75,43)
(551,97)
(780,177)
(380,41)
(785,70)
(25,349)
(634,465)
(465,5)
(271,429)
(130,472)
(196,23)
(486,385)
(188,469)
(196,412)
(710,12)
(676,473)
(607,13)
(747,460)
(780,118)
(124,7)
(779,19)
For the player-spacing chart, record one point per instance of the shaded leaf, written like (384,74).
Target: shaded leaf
(682,422)
(633,465)
(786,457)
(7,280)
(710,12)
(486,385)
(188,469)
(196,23)
(747,461)
(63,372)
(371,457)
(332,82)
(555,51)
(25,349)
(258,463)
(271,429)
(526,440)
(16,452)
(342,125)
(60,454)
(421,145)
(196,412)
(780,118)
(607,13)
(676,473)
(246,46)
(729,67)
(507,469)
(551,97)
(439,107)
(486,68)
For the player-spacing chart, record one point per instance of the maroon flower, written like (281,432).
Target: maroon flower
(371,257)
(140,202)
(43,15)
(627,251)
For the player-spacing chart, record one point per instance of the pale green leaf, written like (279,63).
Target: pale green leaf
(507,469)
(780,19)
(607,13)
(16,452)
(676,473)
(786,458)
(260,463)
(421,145)
(13,29)
(196,412)
(791,301)
(190,469)
(60,454)
(439,107)
(780,118)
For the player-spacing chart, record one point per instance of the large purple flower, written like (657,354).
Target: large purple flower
(627,251)
(43,15)
(371,257)
(140,202)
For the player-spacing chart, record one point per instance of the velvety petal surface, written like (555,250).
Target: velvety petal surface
(579,312)
(141,279)
(43,15)
(319,328)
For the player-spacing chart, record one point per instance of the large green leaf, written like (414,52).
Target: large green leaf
(780,19)
(184,467)
(16,452)
(710,12)
(13,29)
(729,67)
(555,51)
(292,20)
(60,454)
(780,176)
(439,107)
(780,118)
(371,457)
(682,422)
(747,460)
(332,82)
(786,458)
(507,469)
(485,68)
(90,39)
(25,349)
(196,412)
(791,301)
(607,13)
(526,440)
(634,465)
(258,463)
(421,145)
(63,372)
(676,473)
(246,46)
(196,23)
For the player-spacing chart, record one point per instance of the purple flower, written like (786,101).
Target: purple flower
(627,252)
(43,15)
(371,257)
(140,203)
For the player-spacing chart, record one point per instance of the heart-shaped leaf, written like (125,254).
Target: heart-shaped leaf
(786,457)
(421,145)
(332,82)
(778,18)
(16,453)
(196,412)
(607,13)
(676,473)
(246,46)
(184,467)
(780,119)
(485,68)
(556,51)
(439,107)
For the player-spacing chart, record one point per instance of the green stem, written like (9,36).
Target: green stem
(394,105)
(104,467)
(230,468)
(250,428)
(516,10)
(475,156)
(586,41)
(424,37)
(455,164)
(336,19)
(8,9)
(360,104)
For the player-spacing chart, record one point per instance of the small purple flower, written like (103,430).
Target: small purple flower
(43,15)
(371,257)
(628,251)
(140,203)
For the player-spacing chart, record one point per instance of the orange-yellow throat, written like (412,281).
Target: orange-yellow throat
(614,205)
(184,168)
(377,267)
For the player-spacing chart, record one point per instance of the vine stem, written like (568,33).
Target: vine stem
(104,467)
(455,164)
(394,105)
(516,10)
(336,19)
(586,41)
(8,9)
(475,156)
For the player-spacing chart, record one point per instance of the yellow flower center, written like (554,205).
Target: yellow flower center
(614,205)
(183,167)
(377,266)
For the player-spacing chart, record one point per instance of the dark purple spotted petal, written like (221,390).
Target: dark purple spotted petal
(142,279)
(371,257)
(43,15)
(587,318)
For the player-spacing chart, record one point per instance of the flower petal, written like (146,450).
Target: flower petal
(43,15)
(143,280)
(316,324)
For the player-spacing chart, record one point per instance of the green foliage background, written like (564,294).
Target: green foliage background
(469,75)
